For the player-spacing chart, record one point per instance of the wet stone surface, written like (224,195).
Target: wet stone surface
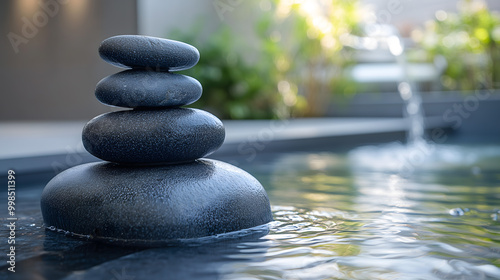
(143,88)
(153,136)
(134,51)
(154,204)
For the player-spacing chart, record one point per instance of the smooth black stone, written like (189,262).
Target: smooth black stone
(158,54)
(142,88)
(116,203)
(153,136)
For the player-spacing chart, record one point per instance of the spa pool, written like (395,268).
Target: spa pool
(342,215)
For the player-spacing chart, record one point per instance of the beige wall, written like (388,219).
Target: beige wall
(159,17)
(54,72)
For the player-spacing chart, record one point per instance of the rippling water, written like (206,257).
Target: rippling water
(337,216)
(371,223)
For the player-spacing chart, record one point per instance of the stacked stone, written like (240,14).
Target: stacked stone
(155,187)
(157,131)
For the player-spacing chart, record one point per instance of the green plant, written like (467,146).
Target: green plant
(233,87)
(306,36)
(297,67)
(469,40)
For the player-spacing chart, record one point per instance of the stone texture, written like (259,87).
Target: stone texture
(159,54)
(120,204)
(156,190)
(142,88)
(153,136)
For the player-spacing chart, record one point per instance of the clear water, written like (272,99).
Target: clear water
(337,216)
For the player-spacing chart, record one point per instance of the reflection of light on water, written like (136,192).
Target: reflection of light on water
(358,212)
(403,203)
(370,245)
(404,160)
(318,163)
(392,158)
(380,190)
(397,194)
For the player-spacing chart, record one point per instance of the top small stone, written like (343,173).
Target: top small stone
(134,51)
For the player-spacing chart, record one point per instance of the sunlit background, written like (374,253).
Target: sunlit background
(337,78)
(259,59)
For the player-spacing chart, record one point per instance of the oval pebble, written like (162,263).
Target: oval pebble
(153,136)
(142,88)
(158,54)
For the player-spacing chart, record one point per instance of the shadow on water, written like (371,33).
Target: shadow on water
(69,258)
(61,258)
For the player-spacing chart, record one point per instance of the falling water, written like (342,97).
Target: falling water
(401,158)
(418,153)
(413,111)
(412,98)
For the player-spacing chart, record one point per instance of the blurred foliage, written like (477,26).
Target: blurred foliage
(469,40)
(232,87)
(311,58)
(297,67)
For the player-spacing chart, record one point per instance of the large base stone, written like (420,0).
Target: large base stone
(140,204)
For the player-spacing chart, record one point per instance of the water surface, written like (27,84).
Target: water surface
(337,216)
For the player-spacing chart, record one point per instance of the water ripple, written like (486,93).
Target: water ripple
(332,220)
